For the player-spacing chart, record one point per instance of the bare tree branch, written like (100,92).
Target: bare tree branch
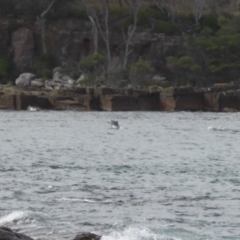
(134,6)
(198,7)
(41,22)
(167,5)
(48,9)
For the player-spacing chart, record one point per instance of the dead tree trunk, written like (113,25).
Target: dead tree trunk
(94,34)
(198,7)
(167,5)
(41,22)
(102,23)
(134,7)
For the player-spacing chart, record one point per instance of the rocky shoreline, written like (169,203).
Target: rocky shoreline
(219,98)
(9,234)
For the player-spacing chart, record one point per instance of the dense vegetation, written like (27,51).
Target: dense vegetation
(211,29)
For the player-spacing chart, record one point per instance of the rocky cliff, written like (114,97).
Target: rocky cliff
(70,40)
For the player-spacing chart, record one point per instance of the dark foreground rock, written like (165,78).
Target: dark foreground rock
(9,234)
(121,99)
(87,236)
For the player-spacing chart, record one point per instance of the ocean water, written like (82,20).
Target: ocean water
(161,176)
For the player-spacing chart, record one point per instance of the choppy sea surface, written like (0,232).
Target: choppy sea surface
(161,176)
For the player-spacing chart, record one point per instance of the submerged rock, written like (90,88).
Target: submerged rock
(37,83)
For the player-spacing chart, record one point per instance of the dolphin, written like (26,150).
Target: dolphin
(114,124)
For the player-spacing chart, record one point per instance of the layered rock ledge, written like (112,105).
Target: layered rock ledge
(219,98)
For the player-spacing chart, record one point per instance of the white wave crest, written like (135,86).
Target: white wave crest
(222,129)
(16,215)
(216,128)
(132,233)
(76,200)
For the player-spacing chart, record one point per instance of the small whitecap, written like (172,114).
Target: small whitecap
(133,233)
(13,216)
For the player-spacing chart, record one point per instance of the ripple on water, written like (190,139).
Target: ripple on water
(167,176)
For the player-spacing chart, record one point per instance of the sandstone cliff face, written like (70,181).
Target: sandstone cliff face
(23,49)
(4,39)
(70,40)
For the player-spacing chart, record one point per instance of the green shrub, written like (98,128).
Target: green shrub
(210,20)
(184,63)
(223,21)
(125,23)
(117,13)
(4,67)
(143,18)
(9,82)
(186,19)
(158,14)
(224,67)
(89,81)
(236,23)
(162,84)
(166,27)
(44,66)
(141,66)
(92,61)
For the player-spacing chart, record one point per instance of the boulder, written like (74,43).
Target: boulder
(9,234)
(87,236)
(71,71)
(63,79)
(25,79)
(158,78)
(37,83)
(23,48)
(49,84)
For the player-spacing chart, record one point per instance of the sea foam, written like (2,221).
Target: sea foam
(133,233)
(16,215)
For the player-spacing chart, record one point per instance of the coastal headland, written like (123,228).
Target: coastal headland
(218,98)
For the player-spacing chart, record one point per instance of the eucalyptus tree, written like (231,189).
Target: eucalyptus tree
(134,7)
(98,12)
